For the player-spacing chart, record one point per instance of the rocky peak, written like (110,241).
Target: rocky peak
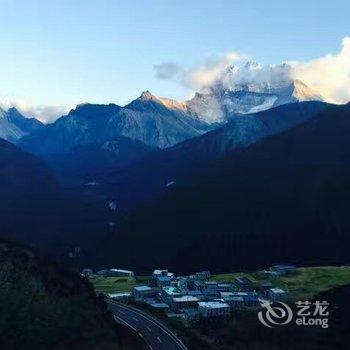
(147,95)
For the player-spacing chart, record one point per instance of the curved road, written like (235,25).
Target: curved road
(154,333)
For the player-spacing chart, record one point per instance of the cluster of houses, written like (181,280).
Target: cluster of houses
(198,296)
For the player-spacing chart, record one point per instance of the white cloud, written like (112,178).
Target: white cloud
(44,113)
(199,77)
(328,75)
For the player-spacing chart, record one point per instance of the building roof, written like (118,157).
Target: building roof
(243,280)
(142,288)
(159,305)
(162,273)
(164,278)
(283,267)
(185,298)
(277,291)
(229,296)
(121,271)
(118,295)
(194,292)
(209,291)
(171,290)
(213,304)
(225,285)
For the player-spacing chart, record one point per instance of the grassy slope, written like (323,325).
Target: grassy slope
(112,284)
(115,284)
(308,282)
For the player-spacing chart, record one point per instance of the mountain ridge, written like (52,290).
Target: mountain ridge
(13,125)
(145,119)
(284,198)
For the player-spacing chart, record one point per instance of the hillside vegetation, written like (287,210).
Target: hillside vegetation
(44,306)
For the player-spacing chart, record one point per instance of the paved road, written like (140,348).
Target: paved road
(156,335)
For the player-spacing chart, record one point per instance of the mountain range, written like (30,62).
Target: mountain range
(224,165)
(149,123)
(146,119)
(160,122)
(149,177)
(282,199)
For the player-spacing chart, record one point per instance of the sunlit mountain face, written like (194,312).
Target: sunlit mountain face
(13,125)
(249,89)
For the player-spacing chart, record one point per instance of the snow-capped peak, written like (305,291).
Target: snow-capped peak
(147,95)
(304,93)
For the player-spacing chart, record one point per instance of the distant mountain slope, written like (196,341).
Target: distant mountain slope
(37,210)
(146,119)
(87,164)
(13,125)
(148,178)
(28,194)
(283,199)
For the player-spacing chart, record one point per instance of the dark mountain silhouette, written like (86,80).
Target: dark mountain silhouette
(89,164)
(35,209)
(283,199)
(145,180)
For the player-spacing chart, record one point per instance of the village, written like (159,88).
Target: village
(198,296)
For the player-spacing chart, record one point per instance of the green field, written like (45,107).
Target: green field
(306,283)
(112,284)
(115,284)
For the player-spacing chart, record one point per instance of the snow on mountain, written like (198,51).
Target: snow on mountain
(13,125)
(248,89)
(163,122)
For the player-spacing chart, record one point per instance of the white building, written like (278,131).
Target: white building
(213,309)
(184,302)
(277,294)
(162,278)
(142,292)
(169,293)
(163,281)
(236,302)
(119,296)
(225,287)
(157,273)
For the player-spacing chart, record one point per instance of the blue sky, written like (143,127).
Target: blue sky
(67,52)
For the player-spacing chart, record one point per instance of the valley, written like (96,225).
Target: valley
(241,328)
(174,175)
